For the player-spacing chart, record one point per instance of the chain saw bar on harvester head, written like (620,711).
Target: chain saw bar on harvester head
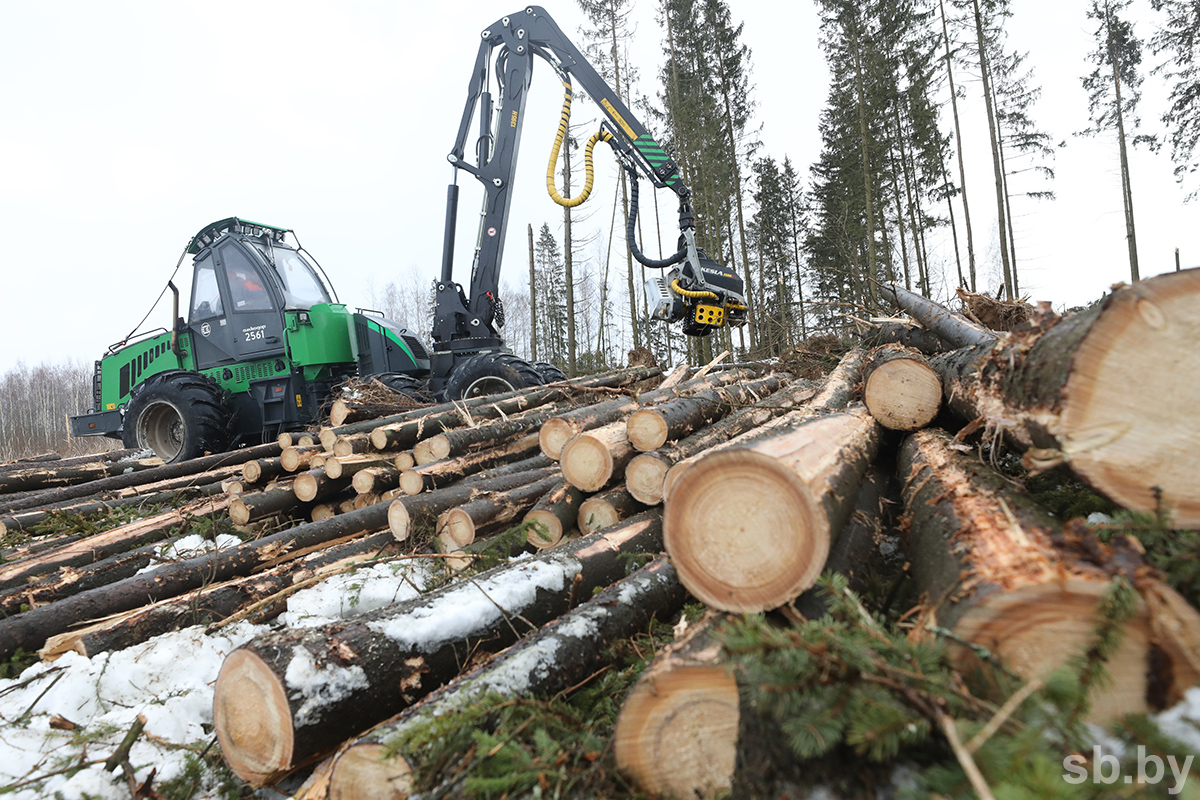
(694,289)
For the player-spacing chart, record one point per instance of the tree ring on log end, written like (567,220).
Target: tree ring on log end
(553,434)
(252,719)
(744,532)
(1034,629)
(647,429)
(903,394)
(586,463)
(644,477)
(677,731)
(364,770)
(1128,422)
(398,520)
(457,526)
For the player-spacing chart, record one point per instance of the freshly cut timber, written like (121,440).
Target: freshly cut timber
(558,656)
(749,528)
(45,475)
(651,428)
(408,512)
(553,515)
(22,521)
(251,506)
(1005,576)
(591,460)
(463,440)
(839,388)
(557,431)
(286,699)
(606,508)
(645,473)
(462,524)
(953,329)
(1111,391)
(677,731)
(901,390)
(296,457)
(447,471)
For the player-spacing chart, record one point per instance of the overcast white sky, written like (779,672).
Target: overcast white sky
(126,126)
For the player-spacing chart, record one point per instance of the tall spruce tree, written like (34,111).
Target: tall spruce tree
(1178,38)
(550,298)
(1114,89)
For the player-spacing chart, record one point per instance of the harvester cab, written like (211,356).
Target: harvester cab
(264,343)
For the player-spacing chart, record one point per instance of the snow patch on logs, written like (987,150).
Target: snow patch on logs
(354,593)
(473,605)
(321,684)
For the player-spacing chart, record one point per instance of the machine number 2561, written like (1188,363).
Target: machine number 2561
(257,332)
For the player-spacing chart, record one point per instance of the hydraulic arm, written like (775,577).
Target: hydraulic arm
(696,289)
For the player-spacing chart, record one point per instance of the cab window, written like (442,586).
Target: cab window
(247,288)
(206,297)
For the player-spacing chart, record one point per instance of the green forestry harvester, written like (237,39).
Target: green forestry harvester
(266,341)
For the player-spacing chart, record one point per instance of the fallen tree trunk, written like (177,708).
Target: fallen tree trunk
(677,731)
(1108,391)
(285,699)
(749,528)
(898,332)
(651,428)
(591,460)
(22,522)
(953,329)
(900,389)
(560,655)
(1002,574)
(406,515)
(252,506)
(462,441)
(477,518)
(29,629)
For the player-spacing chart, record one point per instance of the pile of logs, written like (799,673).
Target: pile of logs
(751,480)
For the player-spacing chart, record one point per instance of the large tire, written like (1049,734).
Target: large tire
(548,372)
(490,373)
(407,385)
(179,415)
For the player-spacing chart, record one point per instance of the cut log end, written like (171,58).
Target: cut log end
(252,719)
(290,457)
(903,394)
(744,533)
(586,463)
(306,486)
(647,430)
(1132,397)
(399,520)
(365,770)
(412,482)
(457,527)
(597,513)
(677,733)
(644,477)
(553,434)
(546,530)
(435,448)
(239,512)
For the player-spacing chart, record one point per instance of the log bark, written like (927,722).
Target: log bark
(607,508)
(556,432)
(477,518)
(749,528)
(408,514)
(1109,391)
(651,428)
(262,470)
(376,480)
(100,546)
(442,473)
(900,389)
(316,484)
(553,515)
(909,335)
(184,469)
(286,699)
(462,441)
(677,730)
(25,520)
(953,329)
(212,603)
(29,629)
(295,458)
(345,411)
(253,506)
(560,655)
(1002,574)
(35,478)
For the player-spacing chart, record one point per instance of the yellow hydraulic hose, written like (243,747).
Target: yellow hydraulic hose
(571,202)
(689,293)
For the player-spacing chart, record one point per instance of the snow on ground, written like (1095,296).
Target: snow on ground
(169,679)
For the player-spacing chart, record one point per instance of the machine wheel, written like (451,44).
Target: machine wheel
(179,415)
(549,372)
(490,373)
(406,385)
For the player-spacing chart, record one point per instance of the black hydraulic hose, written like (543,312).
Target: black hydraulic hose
(629,231)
